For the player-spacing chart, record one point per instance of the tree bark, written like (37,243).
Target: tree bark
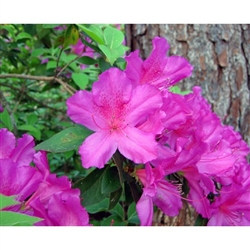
(220,54)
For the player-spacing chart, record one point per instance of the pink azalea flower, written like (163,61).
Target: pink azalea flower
(232,207)
(20,150)
(115,110)
(158,69)
(21,181)
(62,209)
(156,191)
(54,200)
(16,176)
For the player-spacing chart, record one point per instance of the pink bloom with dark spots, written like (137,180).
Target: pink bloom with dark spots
(158,69)
(115,110)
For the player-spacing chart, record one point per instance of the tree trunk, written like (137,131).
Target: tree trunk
(220,55)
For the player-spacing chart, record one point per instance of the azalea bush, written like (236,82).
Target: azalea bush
(92,134)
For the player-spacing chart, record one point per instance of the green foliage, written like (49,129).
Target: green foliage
(68,139)
(176,89)
(9,218)
(37,105)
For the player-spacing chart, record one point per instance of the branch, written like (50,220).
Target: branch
(67,65)
(67,87)
(30,97)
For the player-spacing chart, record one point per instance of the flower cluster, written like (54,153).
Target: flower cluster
(134,112)
(41,193)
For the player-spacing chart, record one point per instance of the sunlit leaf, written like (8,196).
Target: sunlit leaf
(23,35)
(6,201)
(66,140)
(80,80)
(8,218)
(5,121)
(113,37)
(93,32)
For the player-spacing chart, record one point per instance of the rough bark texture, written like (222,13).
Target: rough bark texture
(220,54)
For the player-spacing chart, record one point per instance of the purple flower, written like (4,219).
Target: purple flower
(82,50)
(62,209)
(156,191)
(45,195)
(232,207)
(54,200)
(16,176)
(158,69)
(115,110)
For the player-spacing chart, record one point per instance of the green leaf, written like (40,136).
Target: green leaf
(50,26)
(71,36)
(114,198)
(66,140)
(59,41)
(31,129)
(200,221)
(5,119)
(113,54)
(6,201)
(113,220)
(68,154)
(93,32)
(132,214)
(51,65)
(121,63)
(8,218)
(103,64)
(80,80)
(38,52)
(32,119)
(110,181)
(23,35)
(87,60)
(176,89)
(90,187)
(118,210)
(113,37)
(98,207)
(10,28)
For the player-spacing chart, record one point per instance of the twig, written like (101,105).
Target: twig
(31,98)
(67,87)
(67,65)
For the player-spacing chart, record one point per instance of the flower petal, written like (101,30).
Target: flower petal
(81,110)
(145,100)
(24,152)
(144,208)
(134,67)
(137,145)
(97,149)
(8,142)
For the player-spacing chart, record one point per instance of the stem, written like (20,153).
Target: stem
(66,86)
(118,159)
